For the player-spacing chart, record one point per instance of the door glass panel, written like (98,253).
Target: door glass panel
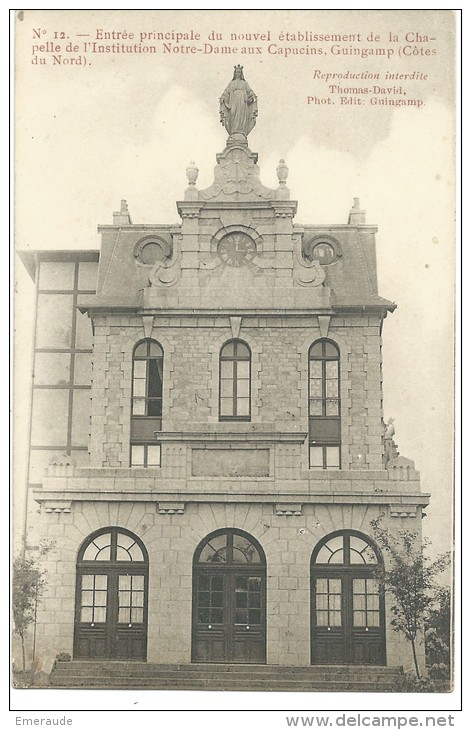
(254,616)
(92,599)
(215,550)
(244,551)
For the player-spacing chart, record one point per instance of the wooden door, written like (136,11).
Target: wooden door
(347,604)
(111,598)
(229,615)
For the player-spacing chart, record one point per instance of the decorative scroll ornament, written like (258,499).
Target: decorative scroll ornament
(307,273)
(167,272)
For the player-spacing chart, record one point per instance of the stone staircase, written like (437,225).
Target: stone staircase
(217,677)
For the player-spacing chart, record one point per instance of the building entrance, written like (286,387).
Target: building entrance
(347,606)
(111,597)
(229,614)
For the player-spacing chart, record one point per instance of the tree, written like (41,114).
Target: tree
(438,635)
(28,585)
(409,578)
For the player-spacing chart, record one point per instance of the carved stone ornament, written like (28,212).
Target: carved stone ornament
(306,273)
(237,172)
(166,273)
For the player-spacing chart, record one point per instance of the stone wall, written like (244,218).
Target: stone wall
(287,540)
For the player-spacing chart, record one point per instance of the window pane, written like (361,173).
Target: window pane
(243,406)
(203,615)
(226,407)
(316,350)
(155,379)
(81,412)
(315,370)
(216,615)
(137,455)
(51,368)
(332,388)
(243,388)
(244,550)
(83,368)
(137,615)
(54,323)
(332,408)
(103,554)
(122,554)
(88,274)
(227,387)
(227,370)
(241,600)
(315,407)
(56,275)
(153,455)
(139,387)
(140,369)
(335,618)
(242,350)
(228,350)
(332,454)
(50,417)
(315,388)
(86,615)
(124,582)
(316,457)
(141,350)
(101,582)
(211,548)
(254,616)
(243,369)
(331,350)
(241,616)
(322,618)
(155,350)
(87,581)
(139,407)
(359,618)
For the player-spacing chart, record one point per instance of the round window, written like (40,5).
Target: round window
(323,252)
(150,251)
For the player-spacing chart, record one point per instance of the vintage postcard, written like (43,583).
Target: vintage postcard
(234,356)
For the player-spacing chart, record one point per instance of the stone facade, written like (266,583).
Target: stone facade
(177,285)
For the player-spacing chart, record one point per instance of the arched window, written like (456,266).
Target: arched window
(234,381)
(347,600)
(146,404)
(229,603)
(324,405)
(111,596)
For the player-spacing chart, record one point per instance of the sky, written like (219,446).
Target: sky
(127,127)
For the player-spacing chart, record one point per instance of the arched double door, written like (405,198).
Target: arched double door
(111,597)
(229,599)
(347,604)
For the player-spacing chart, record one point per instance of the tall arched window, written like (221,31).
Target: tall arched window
(111,596)
(324,405)
(234,381)
(146,404)
(347,603)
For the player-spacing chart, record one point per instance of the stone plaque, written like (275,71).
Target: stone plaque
(230,462)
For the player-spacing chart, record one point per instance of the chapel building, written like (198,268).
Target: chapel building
(208,448)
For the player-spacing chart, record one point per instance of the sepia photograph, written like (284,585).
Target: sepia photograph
(234,356)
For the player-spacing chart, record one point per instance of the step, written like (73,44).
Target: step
(223,677)
(142,668)
(279,685)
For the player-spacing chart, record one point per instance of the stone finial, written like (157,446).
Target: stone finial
(356,217)
(282,172)
(238,108)
(192,174)
(122,217)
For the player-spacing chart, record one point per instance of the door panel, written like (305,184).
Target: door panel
(347,619)
(111,616)
(229,616)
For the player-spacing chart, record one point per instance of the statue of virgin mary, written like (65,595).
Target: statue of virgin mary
(238,105)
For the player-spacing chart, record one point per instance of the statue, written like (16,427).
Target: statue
(238,105)
(390,447)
